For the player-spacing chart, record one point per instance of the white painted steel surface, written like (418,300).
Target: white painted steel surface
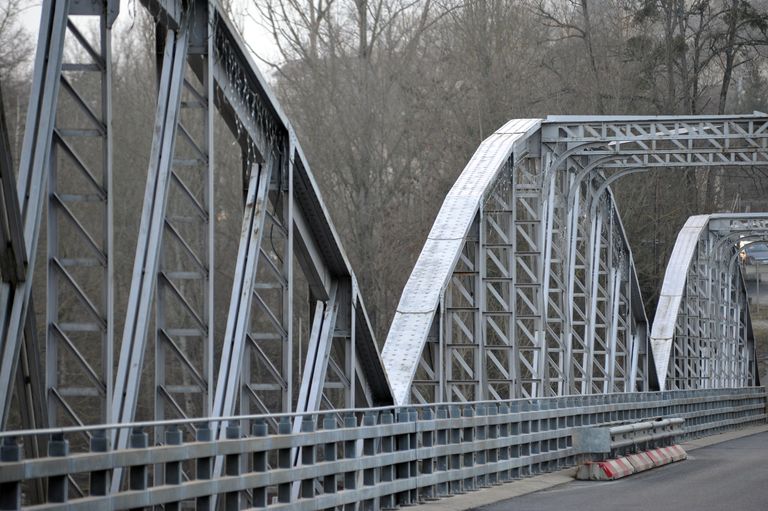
(432,272)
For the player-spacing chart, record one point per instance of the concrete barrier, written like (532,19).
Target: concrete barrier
(659,457)
(605,470)
(640,462)
(623,466)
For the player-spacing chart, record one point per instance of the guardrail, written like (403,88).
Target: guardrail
(628,438)
(358,459)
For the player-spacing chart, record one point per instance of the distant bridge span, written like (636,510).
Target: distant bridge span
(526,285)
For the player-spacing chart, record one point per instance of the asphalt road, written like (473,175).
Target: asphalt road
(750,279)
(729,476)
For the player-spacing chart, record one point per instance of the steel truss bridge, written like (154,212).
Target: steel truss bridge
(522,318)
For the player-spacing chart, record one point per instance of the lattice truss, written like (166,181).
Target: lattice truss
(290,268)
(526,285)
(702,335)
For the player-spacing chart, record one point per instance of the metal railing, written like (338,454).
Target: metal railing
(629,438)
(355,459)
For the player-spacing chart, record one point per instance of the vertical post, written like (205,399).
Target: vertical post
(413,417)
(259,429)
(138,474)
(172,470)
(403,469)
(480,431)
(455,460)
(387,447)
(99,481)
(350,453)
(493,434)
(204,467)
(284,461)
(428,463)
(369,450)
(308,458)
(58,446)
(442,440)
(469,455)
(10,492)
(329,482)
(504,475)
(232,469)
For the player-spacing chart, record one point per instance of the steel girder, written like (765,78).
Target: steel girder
(579,321)
(205,71)
(488,313)
(702,334)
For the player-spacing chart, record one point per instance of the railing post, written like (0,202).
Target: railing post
(284,461)
(506,473)
(58,485)
(387,447)
(369,449)
(493,434)
(137,474)
(203,468)
(329,455)
(232,469)
(99,479)
(172,469)
(469,456)
(442,460)
(402,468)
(428,463)
(259,429)
(413,416)
(10,492)
(518,427)
(455,465)
(307,458)
(350,453)
(481,436)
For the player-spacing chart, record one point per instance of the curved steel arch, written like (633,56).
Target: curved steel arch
(472,321)
(414,320)
(716,348)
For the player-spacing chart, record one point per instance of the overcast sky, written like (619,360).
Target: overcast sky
(256,37)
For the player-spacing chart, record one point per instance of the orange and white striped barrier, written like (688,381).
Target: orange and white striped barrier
(609,470)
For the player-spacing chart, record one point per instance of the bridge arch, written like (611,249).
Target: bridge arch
(702,332)
(472,320)
(574,320)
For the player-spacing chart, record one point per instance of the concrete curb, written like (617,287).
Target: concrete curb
(508,491)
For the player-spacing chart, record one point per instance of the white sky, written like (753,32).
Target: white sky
(256,36)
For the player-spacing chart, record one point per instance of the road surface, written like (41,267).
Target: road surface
(729,476)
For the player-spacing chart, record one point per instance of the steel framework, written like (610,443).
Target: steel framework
(702,333)
(204,72)
(526,285)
